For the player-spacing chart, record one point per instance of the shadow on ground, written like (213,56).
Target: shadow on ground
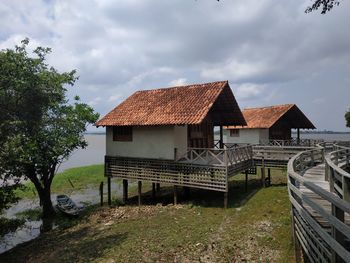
(237,194)
(83,245)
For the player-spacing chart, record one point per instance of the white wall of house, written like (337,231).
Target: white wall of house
(156,142)
(252,136)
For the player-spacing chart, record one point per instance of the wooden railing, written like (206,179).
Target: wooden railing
(168,172)
(281,153)
(308,201)
(337,167)
(216,157)
(292,142)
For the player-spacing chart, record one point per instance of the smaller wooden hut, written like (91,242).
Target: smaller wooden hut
(267,124)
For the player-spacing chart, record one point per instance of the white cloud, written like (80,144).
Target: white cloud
(178,82)
(114,98)
(249,91)
(95,101)
(267,48)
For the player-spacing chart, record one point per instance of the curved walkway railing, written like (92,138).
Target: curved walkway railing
(337,162)
(318,215)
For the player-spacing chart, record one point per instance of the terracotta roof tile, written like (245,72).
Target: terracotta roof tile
(266,117)
(170,106)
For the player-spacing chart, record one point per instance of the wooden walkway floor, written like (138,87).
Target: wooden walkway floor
(317,176)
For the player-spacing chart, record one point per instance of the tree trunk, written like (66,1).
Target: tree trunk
(45,200)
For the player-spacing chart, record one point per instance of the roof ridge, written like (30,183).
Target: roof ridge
(271,106)
(185,86)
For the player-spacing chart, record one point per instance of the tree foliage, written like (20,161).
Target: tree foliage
(39,127)
(324,5)
(347,118)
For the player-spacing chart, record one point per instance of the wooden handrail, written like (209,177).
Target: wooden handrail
(307,230)
(338,178)
(291,142)
(221,157)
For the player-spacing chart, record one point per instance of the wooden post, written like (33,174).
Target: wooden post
(263,172)
(221,145)
(269,175)
(346,189)
(125,191)
(158,187)
(331,180)
(225,200)
(297,246)
(298,136)
(175,195)
(139,188)
(263,176)
(336,234)
(326,174)
(109,191)
(246,181)
(153,190)
(101,193)
(175,154)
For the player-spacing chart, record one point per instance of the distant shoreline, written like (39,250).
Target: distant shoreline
(217,132)
(321,132)
(94,133)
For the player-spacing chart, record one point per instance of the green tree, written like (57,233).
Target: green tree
(39,127)
(324,5)
(347,118)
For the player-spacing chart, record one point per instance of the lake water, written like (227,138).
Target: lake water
(325,136)
(93,154)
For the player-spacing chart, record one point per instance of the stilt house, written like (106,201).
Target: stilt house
(167,136)
(267,124)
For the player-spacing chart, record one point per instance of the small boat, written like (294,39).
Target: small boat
(67,206)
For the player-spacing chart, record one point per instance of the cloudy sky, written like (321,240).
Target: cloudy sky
(270,51)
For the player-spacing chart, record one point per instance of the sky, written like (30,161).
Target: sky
(270,51)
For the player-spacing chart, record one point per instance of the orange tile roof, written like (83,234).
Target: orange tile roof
(266,117)
(176,106)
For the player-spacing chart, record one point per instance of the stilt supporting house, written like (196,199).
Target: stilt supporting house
(263,176)
(139,191)
(298,136)
(109,190)
(246,181)
(221,143)
(153,191)
(125,191)
(175,195)
(263,172)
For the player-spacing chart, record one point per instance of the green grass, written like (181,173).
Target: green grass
(71,179)
(255,227)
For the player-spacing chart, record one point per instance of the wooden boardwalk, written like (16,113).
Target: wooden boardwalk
(318,187)
(316,175)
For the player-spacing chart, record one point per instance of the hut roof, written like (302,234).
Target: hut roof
(266,117)
(181,105)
